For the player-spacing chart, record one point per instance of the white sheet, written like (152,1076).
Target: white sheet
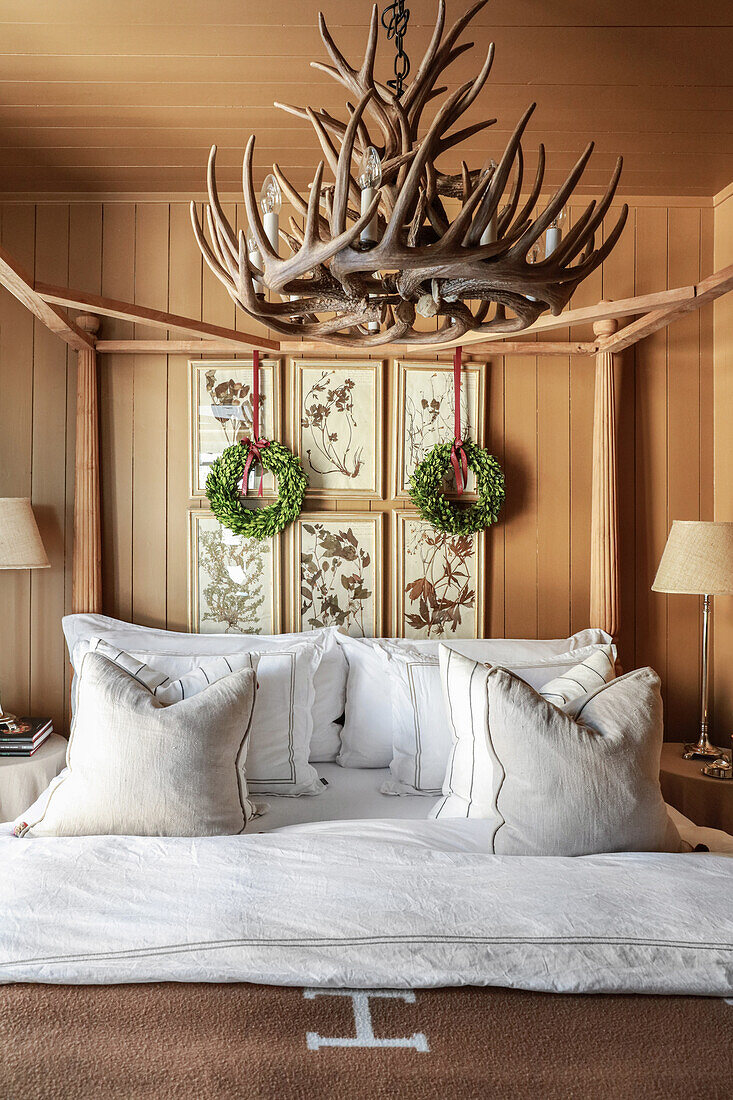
(363,904)
(350,794)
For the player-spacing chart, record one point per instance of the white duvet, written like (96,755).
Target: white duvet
(364,904)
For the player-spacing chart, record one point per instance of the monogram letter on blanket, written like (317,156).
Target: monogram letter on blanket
(365,1036)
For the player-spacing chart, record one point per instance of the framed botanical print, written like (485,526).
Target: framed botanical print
(337,426)
(425,414)
(337,577)
(220,412)
(234,582)
(438,581)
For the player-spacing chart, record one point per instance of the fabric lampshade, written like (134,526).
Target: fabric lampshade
(20,542)
(698,559)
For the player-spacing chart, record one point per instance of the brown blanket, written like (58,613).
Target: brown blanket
(271,1043)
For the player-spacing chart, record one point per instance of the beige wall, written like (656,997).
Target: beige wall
(723,610)
(539,412)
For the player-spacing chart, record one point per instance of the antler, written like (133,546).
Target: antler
(423,260)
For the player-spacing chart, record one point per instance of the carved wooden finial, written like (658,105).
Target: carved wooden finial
(606,327)
(88,322)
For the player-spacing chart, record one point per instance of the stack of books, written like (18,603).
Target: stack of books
(28,735)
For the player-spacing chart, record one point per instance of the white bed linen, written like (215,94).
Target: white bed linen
(349,794)
(363,904)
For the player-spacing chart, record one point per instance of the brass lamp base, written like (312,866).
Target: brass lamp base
(702,749)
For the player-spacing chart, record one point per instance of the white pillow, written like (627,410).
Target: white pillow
(366,738)
(188,650)
(277,758)
(597,669)
(165,689)
(421,734)
(139,768)
(567,781)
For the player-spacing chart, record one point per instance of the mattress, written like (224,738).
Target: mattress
(349,794)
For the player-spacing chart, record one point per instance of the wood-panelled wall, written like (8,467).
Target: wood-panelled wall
(723,605)
(540,419)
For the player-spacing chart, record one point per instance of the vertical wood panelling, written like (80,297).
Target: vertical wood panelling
(150,424)
(723,605)
(619,282)
(48,475)
(539,413)
(116,412)
(184,298)
(651,448)
(582,373)
(85,272)
(553,498)
(520,511)
(16,448)
(683,436)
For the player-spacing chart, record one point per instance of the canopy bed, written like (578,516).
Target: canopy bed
(331,1037)
(343,899)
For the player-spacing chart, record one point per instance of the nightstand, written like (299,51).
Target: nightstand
(705,801)
(23,778)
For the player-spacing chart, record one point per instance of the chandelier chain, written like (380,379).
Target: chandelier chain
(395,18)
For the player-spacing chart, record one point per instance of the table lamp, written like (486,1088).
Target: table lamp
(20,548)
(698,559)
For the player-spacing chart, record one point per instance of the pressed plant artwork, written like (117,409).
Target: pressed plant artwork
(439,578)
(427,416)
(339,421)
(339,574)
(222,396)
(233,586)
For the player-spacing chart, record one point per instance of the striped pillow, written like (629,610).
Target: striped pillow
(282,723)
(555,781)
(165,689)
(592,673)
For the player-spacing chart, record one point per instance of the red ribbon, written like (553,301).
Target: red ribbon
(458,459)
(255,444)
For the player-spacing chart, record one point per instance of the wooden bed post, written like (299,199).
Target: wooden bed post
(604,512)
(86,591)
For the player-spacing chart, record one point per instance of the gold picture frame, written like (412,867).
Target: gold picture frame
(343,581)
(337,464)
(246,609)
(431,588)
(431,425)
(230,429)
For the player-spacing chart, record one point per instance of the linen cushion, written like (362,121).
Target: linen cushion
(137,767)
(277,757)
(366,737)
(576,780)
(421,734)
(187,651)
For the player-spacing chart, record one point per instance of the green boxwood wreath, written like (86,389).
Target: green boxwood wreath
(222,489)
(427,495)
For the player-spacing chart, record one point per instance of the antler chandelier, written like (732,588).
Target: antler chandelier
(377,246)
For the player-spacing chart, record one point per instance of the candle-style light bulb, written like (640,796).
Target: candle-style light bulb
(271,201)
(553,236)
(255,258)
(369,179)
(533,258)
(489,234)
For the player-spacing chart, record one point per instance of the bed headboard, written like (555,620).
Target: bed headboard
(87,578)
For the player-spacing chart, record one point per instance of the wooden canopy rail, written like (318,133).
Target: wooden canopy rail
(652,312)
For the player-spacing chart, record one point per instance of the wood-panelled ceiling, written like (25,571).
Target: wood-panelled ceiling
(128,95)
